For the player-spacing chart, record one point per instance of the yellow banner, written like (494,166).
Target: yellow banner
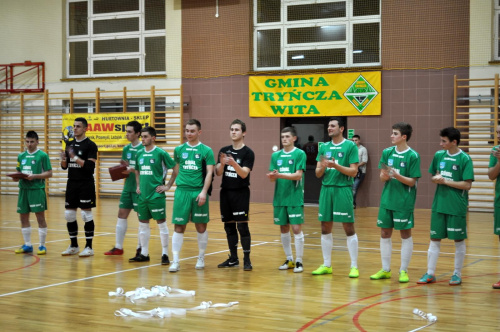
(107,130)
(346,94)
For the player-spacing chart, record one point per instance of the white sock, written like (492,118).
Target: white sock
(432,257)
(406,252)
(352,246)
(42,234)
(164,237)
(202,243)
(121,229)
(299,246)
(286,241)
(177,240)
(26,235)
(326,247)
(145,235)
(385,253)
(138,239)
(459,257)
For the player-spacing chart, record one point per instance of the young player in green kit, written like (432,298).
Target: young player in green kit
(193,176)
(337,163)
(453,172)
(151,165)
(399,170)
(493,172)
(287,171)
(129,197)
(32,197)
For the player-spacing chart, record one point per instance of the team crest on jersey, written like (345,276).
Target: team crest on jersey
(197,156)
(340,154)
(33,162)
(79,153)
(402,164)
(238,160)
(279,162)
(141,161)
(329,154)
(454,167)
(442,165)
(390,162)
(290,162)
(184,155)
(129,155)
(151,161)
(23,162)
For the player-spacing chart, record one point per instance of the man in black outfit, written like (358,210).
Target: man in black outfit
(234,164)
(80,157)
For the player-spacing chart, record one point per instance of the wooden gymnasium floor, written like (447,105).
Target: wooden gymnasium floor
(55,293)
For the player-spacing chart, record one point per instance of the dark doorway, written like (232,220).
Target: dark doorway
(310,132)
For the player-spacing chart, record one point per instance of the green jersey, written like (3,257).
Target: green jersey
(288,192)
(191,160)
(33,163)
(493,162)
(129,154)
(345,153)
(457,167)
(152,166)
(397,196)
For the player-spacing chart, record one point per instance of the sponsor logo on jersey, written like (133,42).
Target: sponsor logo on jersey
(390,162)
(184,155)
(279,162)
(129,155)
(141,161)
(442,164)
(238,160)
(328,154)
(23,162)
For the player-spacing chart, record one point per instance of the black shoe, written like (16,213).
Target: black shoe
(230,262)
(247,265)
(137,251)
(139,258)
(165,260)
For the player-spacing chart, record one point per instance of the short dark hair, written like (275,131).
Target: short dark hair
(136,125)
(32,134)
(82,120)
(356,136)
(404,128)
(150,130)
(310,138)
(241,123)
(452,133)
(339,120)
(194,122)
(290,130)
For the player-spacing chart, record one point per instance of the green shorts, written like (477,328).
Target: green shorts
(284,215)
(153,208)
(398,220)
(129,200)
(336,204)
(186,208)
(496,218)
(448,226)
(31,200)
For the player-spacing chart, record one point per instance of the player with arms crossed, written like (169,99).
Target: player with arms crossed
(80,158)
(287,171)
(234,164)
(400,171)
(193,176)
(453,172)
(129,197)
(32,197)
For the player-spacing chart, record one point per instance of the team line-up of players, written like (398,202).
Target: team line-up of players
(194,166)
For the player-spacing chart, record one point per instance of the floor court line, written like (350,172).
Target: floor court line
(110,273)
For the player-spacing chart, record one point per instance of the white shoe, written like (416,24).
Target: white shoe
(71,251)
(200,264)
(174,267)
(298,267)
(87,252)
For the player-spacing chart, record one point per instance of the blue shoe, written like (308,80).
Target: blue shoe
(42,250)
(24,249)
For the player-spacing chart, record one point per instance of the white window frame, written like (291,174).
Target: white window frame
(283,25)
(141,34)
(496,32)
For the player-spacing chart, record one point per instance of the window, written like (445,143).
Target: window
(308,34)
(115,38)
(496,29)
